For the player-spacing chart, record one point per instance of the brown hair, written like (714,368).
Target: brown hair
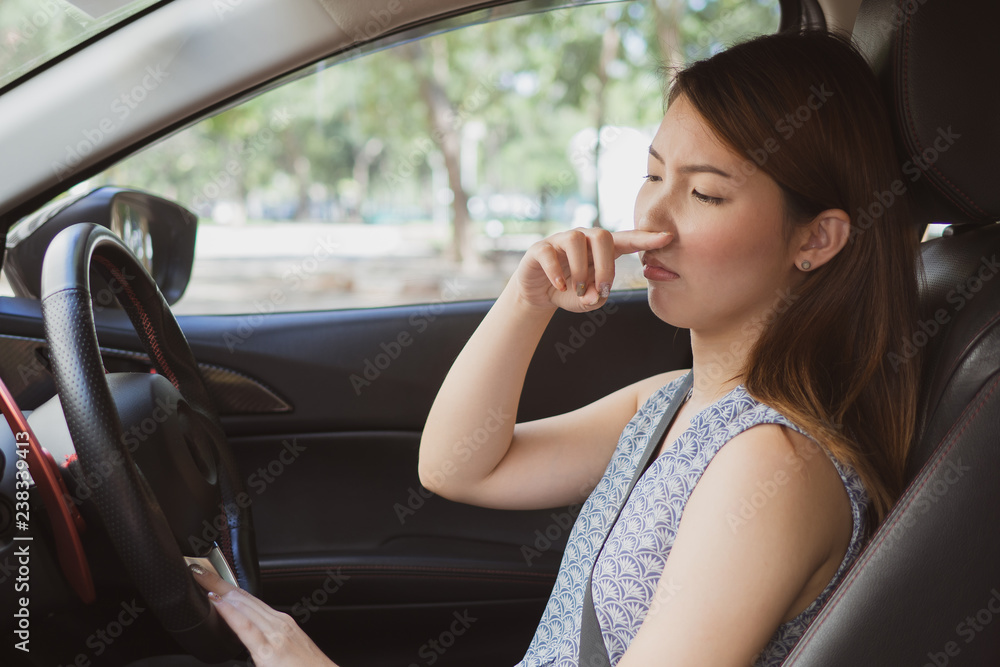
(806,109)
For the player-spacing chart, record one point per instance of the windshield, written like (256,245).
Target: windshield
(33,32)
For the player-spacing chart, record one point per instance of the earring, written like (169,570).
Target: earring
(806,265)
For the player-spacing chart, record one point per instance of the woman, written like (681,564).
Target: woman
(761,229)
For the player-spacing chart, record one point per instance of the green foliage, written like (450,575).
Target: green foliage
(354,140)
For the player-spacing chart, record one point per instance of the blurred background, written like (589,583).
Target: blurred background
(420,173)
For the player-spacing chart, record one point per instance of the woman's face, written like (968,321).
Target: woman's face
(728,264)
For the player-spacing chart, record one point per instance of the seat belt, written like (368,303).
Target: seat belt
(593,652)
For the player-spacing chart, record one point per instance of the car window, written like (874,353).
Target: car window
(34,32)
(420,173)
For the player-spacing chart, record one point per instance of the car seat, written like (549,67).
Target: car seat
(926,589)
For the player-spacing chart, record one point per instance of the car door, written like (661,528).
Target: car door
(356,225)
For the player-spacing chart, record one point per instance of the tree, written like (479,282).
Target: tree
(432,73)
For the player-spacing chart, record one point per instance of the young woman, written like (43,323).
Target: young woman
(765,226)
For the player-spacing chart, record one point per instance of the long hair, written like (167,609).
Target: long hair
(840,361)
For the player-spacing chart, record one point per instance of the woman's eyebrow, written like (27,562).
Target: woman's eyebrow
(692,168)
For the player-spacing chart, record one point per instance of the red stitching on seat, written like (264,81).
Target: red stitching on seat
(147,325)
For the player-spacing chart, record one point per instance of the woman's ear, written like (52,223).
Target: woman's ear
(820,240)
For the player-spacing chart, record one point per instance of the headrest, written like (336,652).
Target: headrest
(939,66)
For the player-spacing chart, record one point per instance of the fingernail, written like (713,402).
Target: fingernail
(214,597)
(605,290)
(197,569)
(561,284)
(581,289)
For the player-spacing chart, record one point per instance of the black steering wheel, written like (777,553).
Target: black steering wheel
(192,462)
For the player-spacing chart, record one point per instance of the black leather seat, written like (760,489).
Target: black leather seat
(926,590)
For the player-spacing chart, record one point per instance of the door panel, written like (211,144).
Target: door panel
(373,565)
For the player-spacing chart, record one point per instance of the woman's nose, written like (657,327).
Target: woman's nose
(654,223)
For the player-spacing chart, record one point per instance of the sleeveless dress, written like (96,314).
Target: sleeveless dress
(637,548)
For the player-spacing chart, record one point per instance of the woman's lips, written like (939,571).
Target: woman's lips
(653,270)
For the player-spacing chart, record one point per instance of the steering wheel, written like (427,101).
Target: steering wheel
(193,464)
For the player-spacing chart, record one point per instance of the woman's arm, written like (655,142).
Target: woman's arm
(471,450)
(733,577)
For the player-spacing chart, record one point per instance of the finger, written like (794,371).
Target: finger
(263,636)
(634,240)
(577,250)
(259,627)
(244,626)
(602,249)
(211,581)
(259,637)
(548,258)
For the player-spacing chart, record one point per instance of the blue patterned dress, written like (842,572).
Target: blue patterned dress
(636,551)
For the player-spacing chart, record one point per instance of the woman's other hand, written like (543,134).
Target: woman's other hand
(273,638)
(574,269)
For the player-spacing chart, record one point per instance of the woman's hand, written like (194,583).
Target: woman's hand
(274,639)
(574,269)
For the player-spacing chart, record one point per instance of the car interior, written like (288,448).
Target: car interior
(342,535)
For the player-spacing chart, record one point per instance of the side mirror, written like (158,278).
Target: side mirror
(159,232)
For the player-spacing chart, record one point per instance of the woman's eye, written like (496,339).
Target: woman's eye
(715,201)
(650,177)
